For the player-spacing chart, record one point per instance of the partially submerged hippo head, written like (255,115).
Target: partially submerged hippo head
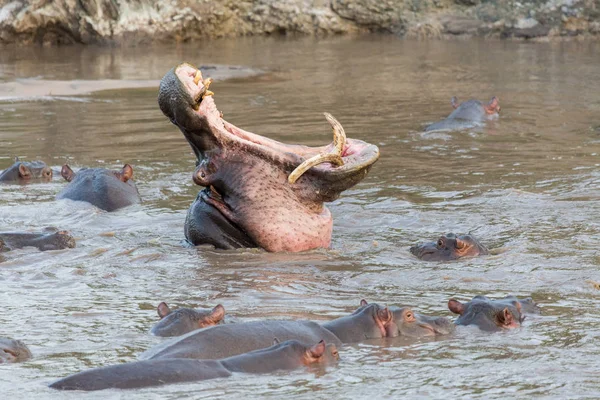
(49,239)
(13,351)
(259,192)
(467,114)
(320,353)
(25,171)
(412,324)
(449,247)
(184,320)
(106,189)
(491,315)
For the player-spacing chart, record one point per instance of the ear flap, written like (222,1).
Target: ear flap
(460,244)
(493,106)
(454,102)
(505,318)
(126,173)
(24,171)
(67,173)
(276,341)
(217,314)
(163,310)
(17,159)
(363,302)
(317,350)
(456,306)
(384,315)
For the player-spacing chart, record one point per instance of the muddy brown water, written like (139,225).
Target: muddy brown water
(528,184)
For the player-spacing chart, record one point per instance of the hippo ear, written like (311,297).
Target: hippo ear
(24,172)
(505,318)
(460,244)
(454,102)
(456,306)
(384,315)
(317,350)
(493,106)
(276,341)
(217,314)
(126,173)
(67,173)
(363,303)
(163,310)
(17,159)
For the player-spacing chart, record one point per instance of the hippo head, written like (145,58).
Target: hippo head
(13,351)
(416,325)
(382,317)
(24,171)
(124,175)
(449,247)
(184,320)
(320,353)
(489,315)
(264,193)
(475,109)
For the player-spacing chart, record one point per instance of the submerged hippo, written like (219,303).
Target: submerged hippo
(368,322)
(13,351)
(184,320)
(449,247)
(25,171)
(467,115)
(411,324)
(492,315)
(258,192)
(50,239)
(106,189)
(288,355)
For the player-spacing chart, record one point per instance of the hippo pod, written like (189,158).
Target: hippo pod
(50,239)
(449,247)
(258,192)
(492,315)
(287,355)
(103,188)
(23,171)
(184,320)
(12,350)
(467,115)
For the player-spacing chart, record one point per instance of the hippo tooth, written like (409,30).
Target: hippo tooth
(197,77)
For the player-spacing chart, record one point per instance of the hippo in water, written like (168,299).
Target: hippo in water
(288,355)
(258,192)
(50,239)
(370,321)
(449,247)
(411,324)
(467,115)
(13,351)
(25,171)
(492,315)
(184,320)
(106,189)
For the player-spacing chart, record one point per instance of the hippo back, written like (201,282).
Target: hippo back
(223,341)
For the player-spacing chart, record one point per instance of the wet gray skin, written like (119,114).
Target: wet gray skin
(249,200)
(467,115)
(411,324)
(51,239)
(449,247)
(492,315)
(105,189)
(220,341)
(184,320)
(12,350)
(25,171)
(288,355)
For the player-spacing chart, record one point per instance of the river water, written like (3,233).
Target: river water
(527,185)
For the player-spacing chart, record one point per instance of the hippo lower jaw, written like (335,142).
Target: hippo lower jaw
(254,183)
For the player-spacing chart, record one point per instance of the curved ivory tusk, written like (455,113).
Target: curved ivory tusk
(197,77)
(335,157)
(311,162)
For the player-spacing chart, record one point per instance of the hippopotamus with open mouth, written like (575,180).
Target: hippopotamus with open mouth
(258,192)
(288,355)
(184,320)
(449,247)
(467,115)
(492,315)
(50,239)
(106,189)
(12,350)
(25,171)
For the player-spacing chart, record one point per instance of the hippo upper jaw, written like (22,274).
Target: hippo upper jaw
(249,175)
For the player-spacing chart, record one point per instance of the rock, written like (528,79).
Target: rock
(457,25)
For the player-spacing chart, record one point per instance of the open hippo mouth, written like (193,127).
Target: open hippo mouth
(259,192)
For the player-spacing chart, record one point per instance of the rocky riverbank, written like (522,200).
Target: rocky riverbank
(142,21)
